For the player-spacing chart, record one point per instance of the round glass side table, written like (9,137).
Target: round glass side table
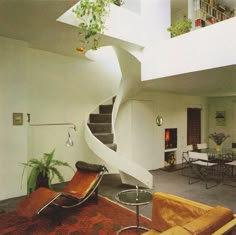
(134,197)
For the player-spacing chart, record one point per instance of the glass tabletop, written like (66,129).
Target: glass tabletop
(134,197)
(222,153)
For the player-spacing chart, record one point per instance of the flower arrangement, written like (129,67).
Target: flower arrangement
(218,138)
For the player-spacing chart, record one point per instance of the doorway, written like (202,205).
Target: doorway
(193,126)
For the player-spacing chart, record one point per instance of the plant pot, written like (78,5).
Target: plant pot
(218,148)
(42,181)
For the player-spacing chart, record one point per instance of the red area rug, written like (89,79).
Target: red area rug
(103,218)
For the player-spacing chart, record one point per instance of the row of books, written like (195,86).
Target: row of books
(213,12)
(206,14)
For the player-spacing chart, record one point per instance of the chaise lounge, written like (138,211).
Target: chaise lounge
(79,189)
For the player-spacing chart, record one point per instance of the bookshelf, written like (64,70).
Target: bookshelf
(208,12)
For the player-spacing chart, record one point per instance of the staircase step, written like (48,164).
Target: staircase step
(105,108)
(100,118)
(106,138)
(112,146)
(100,127)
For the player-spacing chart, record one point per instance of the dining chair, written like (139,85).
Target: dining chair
(202,146)
(202,169)
(229,174)
(185,158)
(234,151)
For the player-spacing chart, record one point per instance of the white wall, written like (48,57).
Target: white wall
(196,55)
(52,88)
(13,98)
(228,105)
(139,114)
(156,19)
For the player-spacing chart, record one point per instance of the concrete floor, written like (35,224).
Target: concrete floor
(175,183)
(169,182)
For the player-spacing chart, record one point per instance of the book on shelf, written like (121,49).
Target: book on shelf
(212,12)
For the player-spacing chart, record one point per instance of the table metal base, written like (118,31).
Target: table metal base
(131,227)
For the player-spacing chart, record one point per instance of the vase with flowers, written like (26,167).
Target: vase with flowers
(218,138)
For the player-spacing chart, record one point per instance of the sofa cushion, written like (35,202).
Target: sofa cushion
(151,232)
(176,230)
(170,210)
(210,221)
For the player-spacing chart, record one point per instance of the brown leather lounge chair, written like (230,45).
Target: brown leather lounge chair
(82,186)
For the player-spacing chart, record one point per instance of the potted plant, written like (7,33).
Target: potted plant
(218,139)
(180,27)
(92,16)
(43,171)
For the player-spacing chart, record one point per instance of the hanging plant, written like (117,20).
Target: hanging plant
(180,27)
(92,15)
(118,2)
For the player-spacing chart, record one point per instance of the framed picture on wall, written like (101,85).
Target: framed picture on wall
(220,118)
(17,119)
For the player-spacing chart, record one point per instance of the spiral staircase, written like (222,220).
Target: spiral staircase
(100,128)
(100,125)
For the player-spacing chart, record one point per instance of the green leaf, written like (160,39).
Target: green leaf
(91,15)
(180,27)
(32,180)
(48,157)
(47,166)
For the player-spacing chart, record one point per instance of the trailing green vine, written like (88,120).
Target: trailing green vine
(91,14)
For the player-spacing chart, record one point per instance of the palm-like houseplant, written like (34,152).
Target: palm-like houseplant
(43,171)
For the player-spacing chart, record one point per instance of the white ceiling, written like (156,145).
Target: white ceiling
(214,82)
(34,21)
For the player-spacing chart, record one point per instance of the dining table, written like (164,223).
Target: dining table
(221,157)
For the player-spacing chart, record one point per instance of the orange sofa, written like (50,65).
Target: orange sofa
(173,215)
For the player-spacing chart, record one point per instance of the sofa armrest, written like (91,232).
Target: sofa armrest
(227,229)
(169,210)
(210,222)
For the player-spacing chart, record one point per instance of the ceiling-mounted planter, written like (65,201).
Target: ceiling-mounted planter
(92,16)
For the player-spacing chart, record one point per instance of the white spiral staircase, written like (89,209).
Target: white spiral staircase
(123,35)
(100,125)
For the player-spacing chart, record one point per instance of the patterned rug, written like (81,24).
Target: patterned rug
(102,218)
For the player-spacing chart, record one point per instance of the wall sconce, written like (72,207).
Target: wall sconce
(69,142)
(159,120)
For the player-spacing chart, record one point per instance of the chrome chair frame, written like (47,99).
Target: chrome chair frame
(185,159)
(201,167)
(229,174)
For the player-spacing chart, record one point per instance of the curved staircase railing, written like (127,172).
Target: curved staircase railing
(100,131)
(100,144)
